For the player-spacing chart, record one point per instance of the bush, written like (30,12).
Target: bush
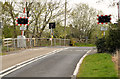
(101,45)
(72,42)
(113,40)
(4,49)
(84,44)
(111,43)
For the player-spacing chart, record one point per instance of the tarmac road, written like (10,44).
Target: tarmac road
(61,64)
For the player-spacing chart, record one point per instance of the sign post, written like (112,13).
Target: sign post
(51,36)
(21,41)
(103,29)
(51,26)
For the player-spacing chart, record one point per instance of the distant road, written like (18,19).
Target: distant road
(61,64)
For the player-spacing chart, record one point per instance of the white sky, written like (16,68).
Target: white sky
(92,3)
(99,6)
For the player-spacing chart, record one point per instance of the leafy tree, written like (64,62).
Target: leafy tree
(9,16)
(59,31)
(83,20)
(40,15)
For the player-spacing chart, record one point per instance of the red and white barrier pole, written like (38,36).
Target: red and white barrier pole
(22,31)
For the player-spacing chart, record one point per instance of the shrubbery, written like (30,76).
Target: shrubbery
(109,43)
(72,42)
(101,45)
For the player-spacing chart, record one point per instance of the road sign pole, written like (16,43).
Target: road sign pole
(51,36)
(65,21)
(22,30)
(23,33)
(104,33)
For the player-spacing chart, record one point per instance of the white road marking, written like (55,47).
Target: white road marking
(68,50)
(78,50)
(20,65)
(78,65)
(85,50)
(75,50)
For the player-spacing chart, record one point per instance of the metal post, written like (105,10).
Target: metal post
(104,33)
(65,21)
(118,9)
(30,43)
(51,36)
(14,44)
(23,25)
(7,45)
(59,41)
(54,42)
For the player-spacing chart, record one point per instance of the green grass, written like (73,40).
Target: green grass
(3,54)
(85,45)
(98,65)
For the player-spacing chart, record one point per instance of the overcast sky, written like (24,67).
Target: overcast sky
(92,3)
(99,6)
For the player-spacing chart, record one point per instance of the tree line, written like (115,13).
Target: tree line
(81,20)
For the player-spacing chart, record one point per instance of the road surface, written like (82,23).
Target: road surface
(56,66)
(21,56)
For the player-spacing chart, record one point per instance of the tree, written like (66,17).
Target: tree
(40,15)
(44,13)
(83,20)
(9,16)
(59,31)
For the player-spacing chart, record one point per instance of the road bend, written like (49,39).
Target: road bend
(59,65)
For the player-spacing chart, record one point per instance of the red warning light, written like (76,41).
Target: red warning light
(22,21)
(104,19)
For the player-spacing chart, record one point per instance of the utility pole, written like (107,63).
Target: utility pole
(118,13)
(118,9)
(65,21)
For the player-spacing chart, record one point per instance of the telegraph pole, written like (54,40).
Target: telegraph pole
(118,9)
(118,13)
(65,21)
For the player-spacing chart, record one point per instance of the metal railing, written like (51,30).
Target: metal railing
(12,44)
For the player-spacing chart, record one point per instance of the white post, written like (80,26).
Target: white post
(104,33)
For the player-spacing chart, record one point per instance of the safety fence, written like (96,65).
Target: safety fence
(12,44)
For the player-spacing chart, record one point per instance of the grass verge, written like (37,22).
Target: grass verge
(98,65)
(3,54)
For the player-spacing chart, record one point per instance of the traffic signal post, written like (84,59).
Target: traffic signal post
(21,39)
(51,27)
(51,36)
(103,29)
(104,20)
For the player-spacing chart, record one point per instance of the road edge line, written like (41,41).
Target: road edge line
(78,65)
(22,64)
